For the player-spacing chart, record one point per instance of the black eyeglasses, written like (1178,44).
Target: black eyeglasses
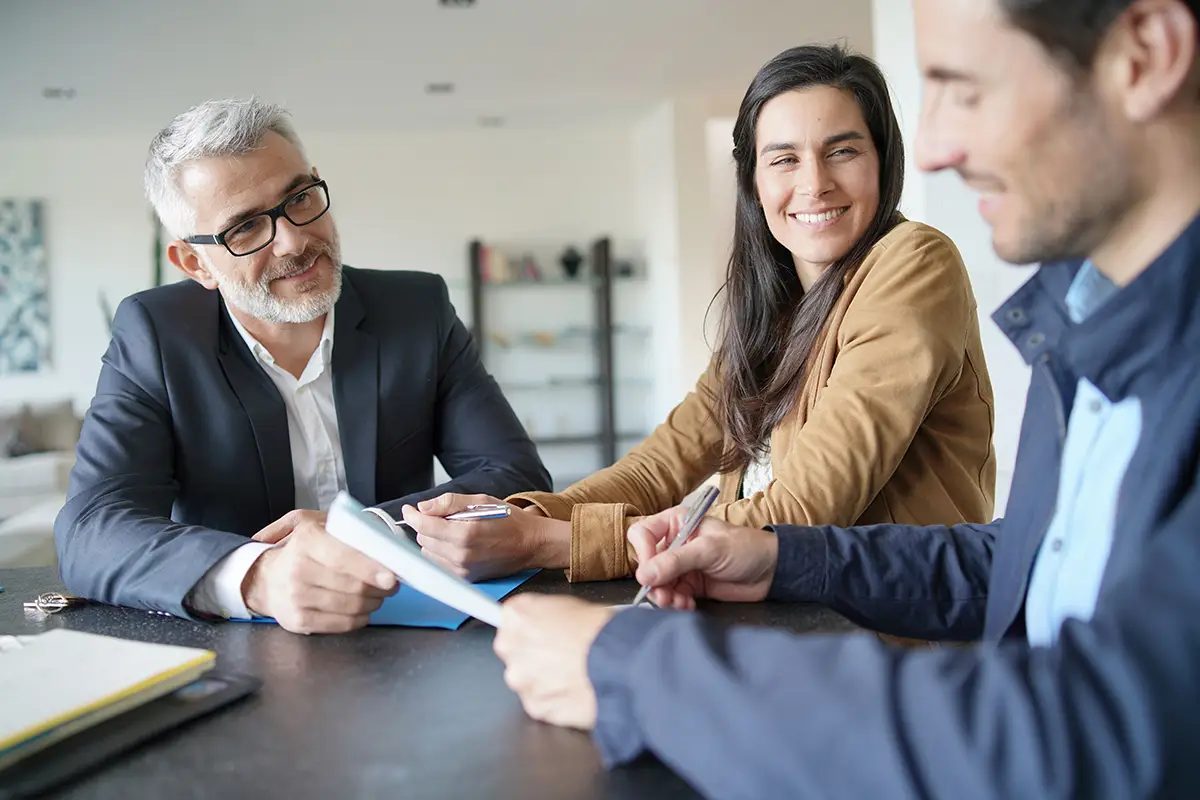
(254,233)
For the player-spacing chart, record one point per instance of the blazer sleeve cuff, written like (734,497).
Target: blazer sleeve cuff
(617,734)
(599,550)
(802,568)
(551,505)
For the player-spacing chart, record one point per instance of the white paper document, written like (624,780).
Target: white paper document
(369,535)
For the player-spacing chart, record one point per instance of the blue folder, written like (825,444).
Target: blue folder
(410,608)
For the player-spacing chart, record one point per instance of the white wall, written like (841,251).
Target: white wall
(944,202)
(722,198)
(657,212)
(401,201)
(99,237)
(414,201)
(892,23)
(952,208)
(684,198)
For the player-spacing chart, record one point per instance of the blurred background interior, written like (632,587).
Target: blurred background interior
(564,165)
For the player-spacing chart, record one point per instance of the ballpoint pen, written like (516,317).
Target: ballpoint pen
(481,511)
(695,515)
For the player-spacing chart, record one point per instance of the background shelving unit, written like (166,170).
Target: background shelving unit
(563,361)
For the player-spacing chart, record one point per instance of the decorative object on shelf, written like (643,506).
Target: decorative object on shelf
(529,270)
(24,288)
(573,337)
(571,261)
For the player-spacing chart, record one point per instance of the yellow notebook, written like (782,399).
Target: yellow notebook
(57,683)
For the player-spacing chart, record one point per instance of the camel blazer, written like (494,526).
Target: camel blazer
(893,422)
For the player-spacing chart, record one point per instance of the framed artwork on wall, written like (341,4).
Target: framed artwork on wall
(24,288)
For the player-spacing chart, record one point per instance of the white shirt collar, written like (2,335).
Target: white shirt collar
(260,351)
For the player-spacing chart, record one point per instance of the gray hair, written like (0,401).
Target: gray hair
(217,128)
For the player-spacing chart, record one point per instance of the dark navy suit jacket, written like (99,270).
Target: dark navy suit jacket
(1112,709)
(184,452)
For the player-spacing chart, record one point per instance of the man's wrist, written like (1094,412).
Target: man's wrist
(254,589)
(219,594)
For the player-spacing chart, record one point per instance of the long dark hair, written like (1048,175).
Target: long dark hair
(770,325)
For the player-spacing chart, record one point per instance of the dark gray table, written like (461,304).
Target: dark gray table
(381,712)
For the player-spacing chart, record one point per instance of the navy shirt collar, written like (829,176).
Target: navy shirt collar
(1128,333)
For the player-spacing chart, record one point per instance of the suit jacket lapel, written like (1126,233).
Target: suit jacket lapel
(268,416)
(356,392)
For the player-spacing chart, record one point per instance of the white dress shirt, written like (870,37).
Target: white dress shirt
(318,467)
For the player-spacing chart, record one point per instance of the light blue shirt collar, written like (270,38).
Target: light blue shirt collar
(1088,292)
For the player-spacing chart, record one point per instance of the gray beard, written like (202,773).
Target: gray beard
(257,300)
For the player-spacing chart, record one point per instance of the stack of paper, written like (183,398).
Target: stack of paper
(61,682)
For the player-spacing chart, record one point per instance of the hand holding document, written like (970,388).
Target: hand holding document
(370,536)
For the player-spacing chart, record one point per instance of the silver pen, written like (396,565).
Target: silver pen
(691,522)
(481,511)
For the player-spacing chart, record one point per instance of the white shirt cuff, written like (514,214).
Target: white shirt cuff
(219,592)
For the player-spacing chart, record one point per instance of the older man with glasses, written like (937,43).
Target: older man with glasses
(233,407)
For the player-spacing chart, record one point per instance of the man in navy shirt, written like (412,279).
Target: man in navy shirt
(1078,121)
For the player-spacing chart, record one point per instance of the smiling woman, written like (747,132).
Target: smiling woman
(849,384)
(820,165)
(819,190)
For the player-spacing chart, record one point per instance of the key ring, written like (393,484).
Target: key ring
(54,602)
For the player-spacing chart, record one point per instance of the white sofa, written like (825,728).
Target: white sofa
(37,451)
(27,540)
(30,480)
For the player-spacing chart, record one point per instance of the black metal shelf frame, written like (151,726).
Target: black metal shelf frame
(600,282)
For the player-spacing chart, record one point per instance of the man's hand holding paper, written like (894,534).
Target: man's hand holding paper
(312,583)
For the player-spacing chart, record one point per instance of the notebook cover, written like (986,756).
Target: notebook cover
(81,753)
(71,696)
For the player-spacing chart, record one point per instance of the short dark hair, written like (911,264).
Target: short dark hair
(1071,29)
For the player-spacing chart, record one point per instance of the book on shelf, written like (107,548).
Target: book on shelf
(495,266)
